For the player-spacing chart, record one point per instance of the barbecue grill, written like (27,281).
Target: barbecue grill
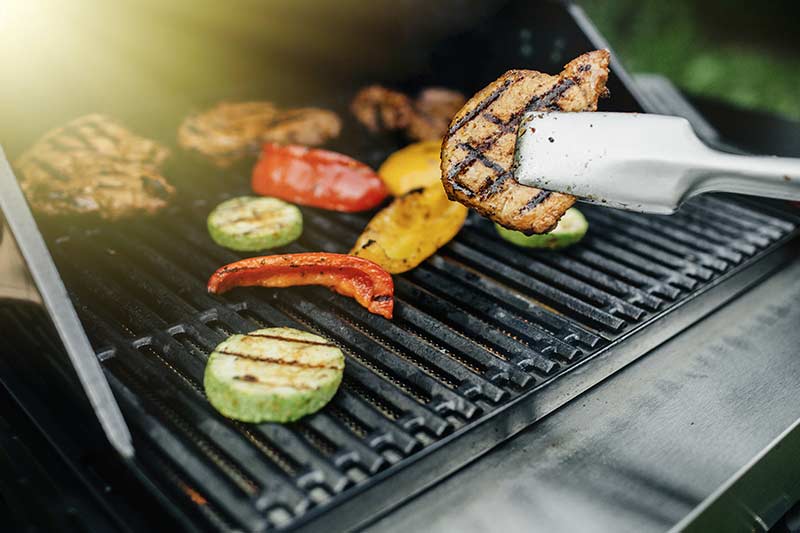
(487,339)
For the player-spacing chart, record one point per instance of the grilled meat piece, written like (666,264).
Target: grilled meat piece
(94,165)
(379,108)
(230,131)
(478,150)
(434,107)
(426,118)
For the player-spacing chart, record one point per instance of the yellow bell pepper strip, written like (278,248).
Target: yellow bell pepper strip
(410,229)
(416,165)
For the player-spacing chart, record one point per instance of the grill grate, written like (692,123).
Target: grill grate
(476,326)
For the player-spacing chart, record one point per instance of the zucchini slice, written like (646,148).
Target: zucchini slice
(250,224)
(570,229)
(272,375)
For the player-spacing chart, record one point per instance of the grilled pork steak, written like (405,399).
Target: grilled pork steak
(435,108)
(230,131)
(94,165)
(426,118)
(478,150)
(379,108)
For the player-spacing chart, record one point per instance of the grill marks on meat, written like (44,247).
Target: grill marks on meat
(231,131)
(478,150)
(94,165)
(426,118)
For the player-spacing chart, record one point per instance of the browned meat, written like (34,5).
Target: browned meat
(434,107)
(478,150)
(94,165)
(230,131)
(379,108)
(426,118)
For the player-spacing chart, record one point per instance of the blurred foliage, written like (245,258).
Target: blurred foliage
(746,53)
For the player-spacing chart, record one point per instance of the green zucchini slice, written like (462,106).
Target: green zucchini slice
(570,229)
(250,224)
(273,375)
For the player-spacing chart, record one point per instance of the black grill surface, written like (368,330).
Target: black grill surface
(476,327)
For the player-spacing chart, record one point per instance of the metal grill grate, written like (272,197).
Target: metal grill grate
(477,326)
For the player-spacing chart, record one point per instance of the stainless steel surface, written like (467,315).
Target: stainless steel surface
(51,290)
(640,451)
(642,162)
(758,495)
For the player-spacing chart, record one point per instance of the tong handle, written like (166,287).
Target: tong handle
(772,177)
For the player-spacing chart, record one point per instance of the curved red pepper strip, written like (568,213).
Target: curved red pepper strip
(368,283)
(318,178)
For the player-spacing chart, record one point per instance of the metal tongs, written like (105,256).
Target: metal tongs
(640,162)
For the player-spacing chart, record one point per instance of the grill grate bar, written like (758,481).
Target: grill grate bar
(276,487)
(386,433)
(523,355)
(691,246)
(421,385)
(529,261)
(209,482)
(667,251)
(735,237)
(738,217)
(483,307)
(608,264)
(658,258)
(582,271)
(633,258)
(563,283)
(132,316)
(719,239)
(136,281)
(403,340)
(388,391)
(466,349)
(351,451)
(742,206)
(518,280)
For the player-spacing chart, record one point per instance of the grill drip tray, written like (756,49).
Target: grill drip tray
(487,339)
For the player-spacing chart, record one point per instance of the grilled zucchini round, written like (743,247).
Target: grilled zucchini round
(251,224)
(570,229)
(273,375)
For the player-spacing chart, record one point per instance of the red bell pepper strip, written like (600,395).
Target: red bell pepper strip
(317,178)
(368,283)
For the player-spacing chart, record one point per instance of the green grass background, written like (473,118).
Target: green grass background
(747,53)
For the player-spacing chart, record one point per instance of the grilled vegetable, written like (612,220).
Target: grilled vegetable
(249,224)
(570,229)
(416,165)
(410,229)
(478,150)
(368,283)
(317,178)
(272,375)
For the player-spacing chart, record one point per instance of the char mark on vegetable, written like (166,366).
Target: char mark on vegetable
(288,339)
(274,361)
